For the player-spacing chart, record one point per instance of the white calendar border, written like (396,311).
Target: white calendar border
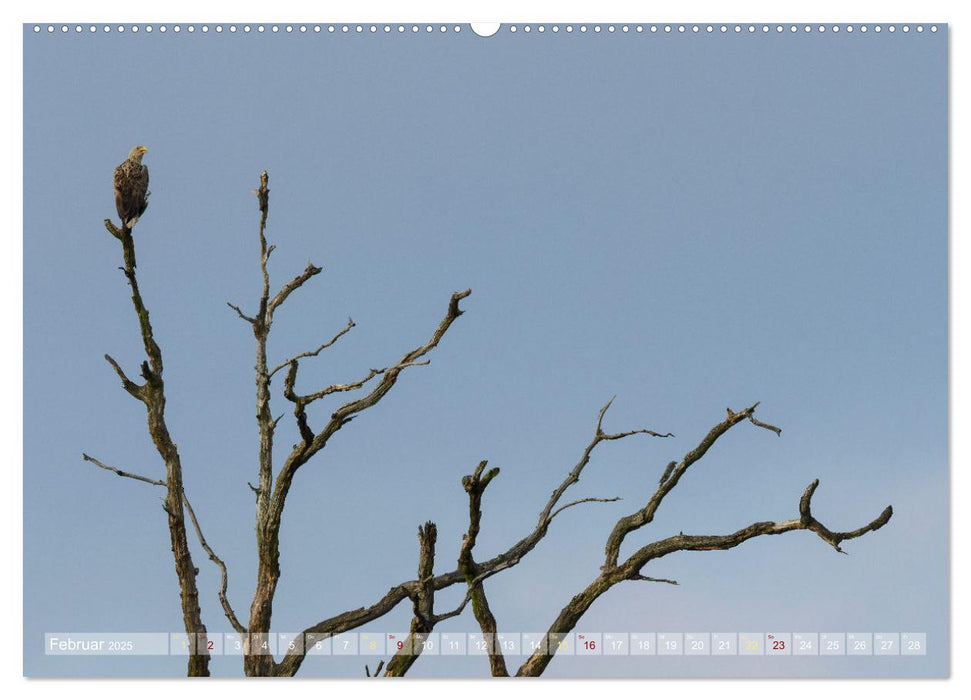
(522,10)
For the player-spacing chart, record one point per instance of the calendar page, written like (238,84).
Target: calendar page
(447,350)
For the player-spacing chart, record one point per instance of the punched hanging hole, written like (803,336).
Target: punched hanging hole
(485,28)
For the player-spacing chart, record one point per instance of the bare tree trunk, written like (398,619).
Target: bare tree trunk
(152,394)
(474,485)
(423,621)
(267,548)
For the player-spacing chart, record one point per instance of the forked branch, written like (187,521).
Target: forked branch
(613,573)
(834,538)
(348,411)
(224,584)
(474,484)
(672,475)
(314,353)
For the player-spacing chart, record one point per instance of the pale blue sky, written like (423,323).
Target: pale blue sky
(688,222)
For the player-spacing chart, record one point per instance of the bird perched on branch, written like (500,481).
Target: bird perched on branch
(131,187)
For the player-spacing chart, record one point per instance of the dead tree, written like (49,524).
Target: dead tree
(273,486)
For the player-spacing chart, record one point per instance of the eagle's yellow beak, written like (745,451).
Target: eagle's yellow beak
(143,149)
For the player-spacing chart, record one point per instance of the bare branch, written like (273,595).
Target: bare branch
(152,395)
(455,612)
(753,421)
(352,619)
(377,671)
(301,454)
(584,500)
(263,193)
(119,472)
(129,386)
(630,569)
(617,436)
(230,615)
(642,431)
(355,618)
(352,386)
(224,582)
(390,376)
(263,196)
(299,408)
(114,230)
(639,577)
(152,349)
(345,621)
(290,287)
(668,470)
(338,388)
(314,353)
(475,484)
(424,619)
(514,554)
(240,313)
(603,412)
(672,474)
(574,475)
(834,538)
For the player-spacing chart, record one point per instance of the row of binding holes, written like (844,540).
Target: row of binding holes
(711,29)
(428,28)
(259,28)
